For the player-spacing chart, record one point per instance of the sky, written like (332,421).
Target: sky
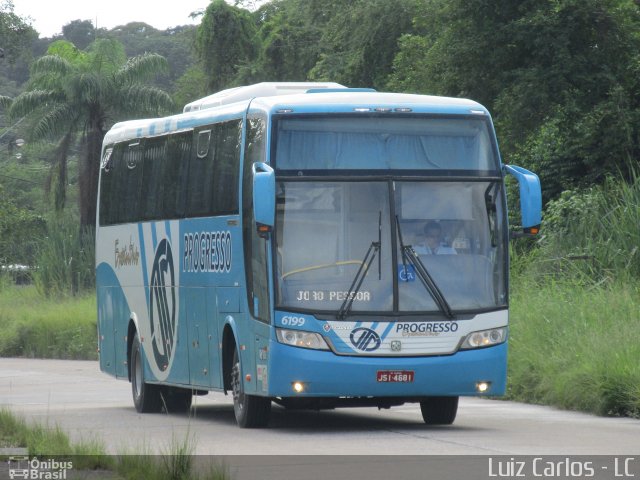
(48,16)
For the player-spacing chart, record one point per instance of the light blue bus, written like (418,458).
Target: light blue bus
(310,245)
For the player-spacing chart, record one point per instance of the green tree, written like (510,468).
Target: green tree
(560,77)
(224,43)
(79,32)
(190,86)
(360,39)
(174,44)
(20,230)
(15,34)
(76,95)
(352,42)
(15,41)
(288,43)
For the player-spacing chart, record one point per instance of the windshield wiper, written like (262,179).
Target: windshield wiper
(374,249)
(410,255)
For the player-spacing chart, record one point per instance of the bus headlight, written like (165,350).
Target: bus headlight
(485,338)
(298,338)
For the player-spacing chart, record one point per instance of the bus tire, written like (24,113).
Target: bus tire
(176,399)
(250,411)
(146,396)
(439,410)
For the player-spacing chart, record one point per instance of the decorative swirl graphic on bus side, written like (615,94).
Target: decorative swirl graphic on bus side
(162,305)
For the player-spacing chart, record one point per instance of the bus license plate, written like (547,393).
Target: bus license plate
(400,376)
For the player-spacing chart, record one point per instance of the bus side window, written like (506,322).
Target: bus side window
(227,168)
(131,171)
(214,171)
(108,185)
(174,175)
(151,199)
(200,179)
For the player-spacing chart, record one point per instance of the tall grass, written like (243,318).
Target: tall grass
(596,231)
(575,304)
(575,346)
(178,462)
(65,264)
(36,326)
(42,440)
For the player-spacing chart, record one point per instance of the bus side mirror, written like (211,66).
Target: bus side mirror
(264,197)
(530,198)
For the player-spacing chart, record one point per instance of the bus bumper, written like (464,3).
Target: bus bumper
(324,374)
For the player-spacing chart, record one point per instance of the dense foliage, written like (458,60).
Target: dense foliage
(15,33)
(353,43)
(20,230)
(560,77)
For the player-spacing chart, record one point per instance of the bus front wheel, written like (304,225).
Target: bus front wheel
(146,396)
(250,411)
(439,410)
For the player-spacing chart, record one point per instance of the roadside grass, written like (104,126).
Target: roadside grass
(575,303)
(575,345)
(177,462)
(33,325)
(42,440)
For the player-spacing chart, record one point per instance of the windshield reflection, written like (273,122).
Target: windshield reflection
(325,229)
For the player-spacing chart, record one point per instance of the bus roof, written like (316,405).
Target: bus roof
(290,97)
(358,101)
(264,89)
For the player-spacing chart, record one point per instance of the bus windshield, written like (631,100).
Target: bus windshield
(324,230)
(384,142)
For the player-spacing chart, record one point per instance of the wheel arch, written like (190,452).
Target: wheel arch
(132,329)
(229,345)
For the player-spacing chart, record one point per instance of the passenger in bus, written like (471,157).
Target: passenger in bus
(433,243)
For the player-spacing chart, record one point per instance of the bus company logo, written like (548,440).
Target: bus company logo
(365,339)
(162,304)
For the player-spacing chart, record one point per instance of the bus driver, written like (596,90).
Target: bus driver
(433,244)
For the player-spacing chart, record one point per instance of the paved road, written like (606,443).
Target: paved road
(88,403)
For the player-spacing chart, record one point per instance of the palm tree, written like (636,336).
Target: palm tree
(75,96)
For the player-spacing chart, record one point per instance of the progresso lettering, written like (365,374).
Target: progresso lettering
(208,252)
(424,329)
